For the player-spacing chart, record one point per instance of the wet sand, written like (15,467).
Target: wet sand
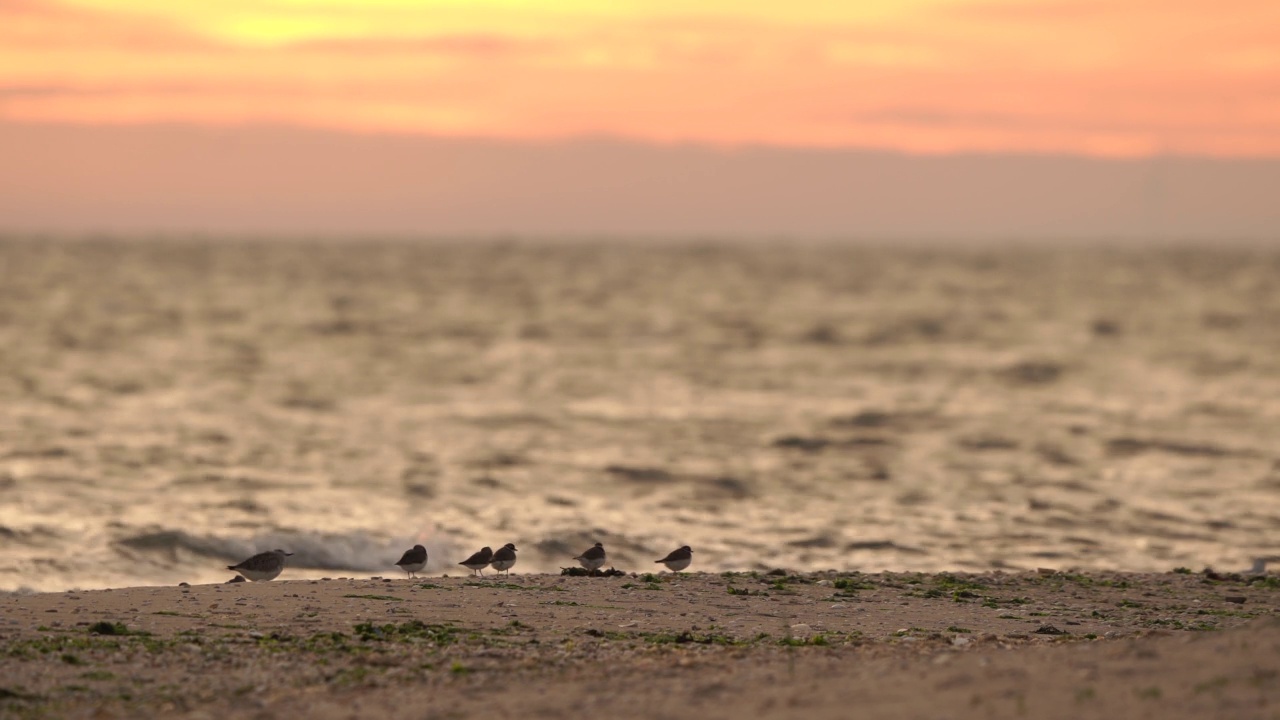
(1038,644)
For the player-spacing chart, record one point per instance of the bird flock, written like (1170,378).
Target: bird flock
(268,565)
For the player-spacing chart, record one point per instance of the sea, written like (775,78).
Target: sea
(170,406)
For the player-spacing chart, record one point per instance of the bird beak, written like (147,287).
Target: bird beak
(289,554)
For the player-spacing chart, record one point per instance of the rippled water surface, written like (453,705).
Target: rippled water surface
(170,407)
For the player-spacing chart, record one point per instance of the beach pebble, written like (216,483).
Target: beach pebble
(960,641)
(838,606)
(801,630)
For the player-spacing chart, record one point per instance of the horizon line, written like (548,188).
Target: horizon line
(603,138)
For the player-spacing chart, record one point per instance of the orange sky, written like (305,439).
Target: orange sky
(1094,77)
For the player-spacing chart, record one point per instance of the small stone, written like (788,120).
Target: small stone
(801,630)
(838,606)
(184,584)
(960,641)
(1237,599)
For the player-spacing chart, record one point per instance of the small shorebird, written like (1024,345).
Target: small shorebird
(263,566)
(412,561)
(479,561)
(592,559)
(678,559)
(1259,566)
(504,558)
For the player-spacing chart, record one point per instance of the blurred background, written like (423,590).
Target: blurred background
(921,285)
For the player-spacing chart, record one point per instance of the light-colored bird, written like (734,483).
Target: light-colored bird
(1259,566)
(413,560)
(263,566)
(479,561)
(678,559)
(593,559)
(504,558)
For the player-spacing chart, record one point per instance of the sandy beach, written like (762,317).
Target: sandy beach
(172,408)
(1035,644)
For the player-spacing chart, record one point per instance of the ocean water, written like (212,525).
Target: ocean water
(170,407)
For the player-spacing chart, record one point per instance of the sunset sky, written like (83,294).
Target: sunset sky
(1098,77)
(185,85)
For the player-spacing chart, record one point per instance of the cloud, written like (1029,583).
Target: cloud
(43,26)
(484,45)
(1033,12)
(926,117)
(1044,75)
